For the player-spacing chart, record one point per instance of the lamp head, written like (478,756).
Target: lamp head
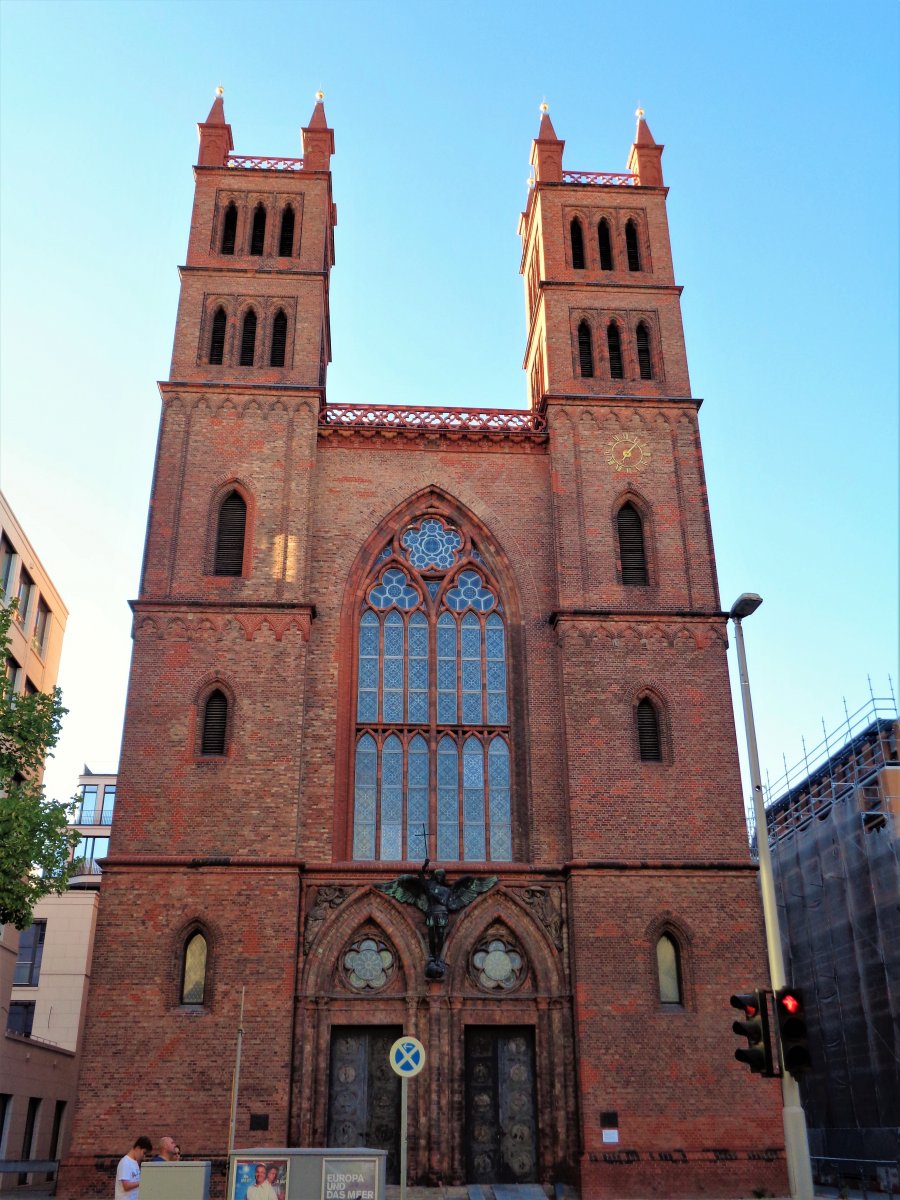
(746,604)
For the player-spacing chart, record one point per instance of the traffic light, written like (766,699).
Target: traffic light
(757,1054)
(792,1032)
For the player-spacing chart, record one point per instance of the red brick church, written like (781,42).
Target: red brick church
(367,634)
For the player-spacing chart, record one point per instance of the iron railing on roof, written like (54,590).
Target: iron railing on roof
(601,178)
(255,163)
(423,419)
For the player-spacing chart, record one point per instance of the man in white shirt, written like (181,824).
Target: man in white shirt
(262,1189)
(128,1172)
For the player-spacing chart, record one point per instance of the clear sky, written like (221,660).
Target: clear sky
(781,129)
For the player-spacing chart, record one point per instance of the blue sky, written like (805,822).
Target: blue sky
(781,128)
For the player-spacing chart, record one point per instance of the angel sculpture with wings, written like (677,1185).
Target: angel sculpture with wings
(429,891)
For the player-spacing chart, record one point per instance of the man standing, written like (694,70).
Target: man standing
(128,1172)
(262,1189)
(168,1148)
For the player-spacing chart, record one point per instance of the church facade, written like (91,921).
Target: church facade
(367,636)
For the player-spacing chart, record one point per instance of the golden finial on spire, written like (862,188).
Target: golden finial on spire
(639,113)
(320,96)
(220,91)
(544,106)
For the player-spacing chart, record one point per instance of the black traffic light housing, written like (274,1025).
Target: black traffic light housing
(792,1032)
(757,1054)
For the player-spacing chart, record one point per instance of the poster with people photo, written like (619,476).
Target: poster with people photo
(260,1179)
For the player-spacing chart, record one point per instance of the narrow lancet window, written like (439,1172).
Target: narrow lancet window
(632,554)
(215,720)
(248,339)
(286,235)
(230,533)
(631,245)
(258,231)
(577,244)
(645,363)
(229,229)
(193,974)
(279,339)
(585,351)
(614,347)
(217,338)
(605,244)
(649,739)
(668,968)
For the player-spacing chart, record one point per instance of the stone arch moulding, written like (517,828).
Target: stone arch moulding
(429,501)
(498,907)
(219,493)
(367,908)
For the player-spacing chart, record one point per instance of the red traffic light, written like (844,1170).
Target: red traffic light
(791,1003)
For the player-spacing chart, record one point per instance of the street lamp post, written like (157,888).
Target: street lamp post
(796,1143)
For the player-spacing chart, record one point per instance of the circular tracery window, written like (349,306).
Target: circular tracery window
(497,964)
(368,964)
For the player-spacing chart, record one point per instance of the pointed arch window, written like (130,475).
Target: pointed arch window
(632,554)
(577,236)
(614,347)
(248,338)
(668,969)
(258,230)
(279,339)
(648,731)
(230,533)
(605,245)
(193,969)
(229,229)
(632,247)
(217,338)
(645,363)
(432,745)
(215,722)
(286,234)
(585,351)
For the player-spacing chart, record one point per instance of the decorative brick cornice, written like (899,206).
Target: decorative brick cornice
(215,619)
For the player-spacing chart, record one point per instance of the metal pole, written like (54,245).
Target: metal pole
(403,1083)
(236,1079)
(796,1142)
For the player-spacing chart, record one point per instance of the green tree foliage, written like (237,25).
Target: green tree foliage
(35,840)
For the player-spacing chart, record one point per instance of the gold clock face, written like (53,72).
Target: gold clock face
(626,452)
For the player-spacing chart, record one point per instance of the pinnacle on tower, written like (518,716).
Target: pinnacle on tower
(645,159)
(318,139)
(547,151)
(215,135)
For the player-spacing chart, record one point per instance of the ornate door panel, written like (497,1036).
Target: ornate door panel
(501,1130)
(364,1093)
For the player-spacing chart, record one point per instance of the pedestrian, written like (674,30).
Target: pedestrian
(128,1172)
(167,1149)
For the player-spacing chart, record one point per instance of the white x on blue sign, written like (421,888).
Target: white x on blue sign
(407,1056)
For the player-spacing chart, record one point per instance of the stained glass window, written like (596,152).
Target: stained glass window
(432,752)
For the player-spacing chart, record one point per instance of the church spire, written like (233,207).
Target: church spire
(215,135)
(645,159)
(547,151)
(318,139)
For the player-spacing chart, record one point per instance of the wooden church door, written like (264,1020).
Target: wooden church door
(501,1129)
(364,1093)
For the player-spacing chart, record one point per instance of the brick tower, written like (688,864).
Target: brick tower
(366,634)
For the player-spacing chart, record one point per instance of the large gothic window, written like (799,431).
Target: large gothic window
(432,747)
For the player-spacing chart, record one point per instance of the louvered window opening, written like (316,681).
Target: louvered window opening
(605,244)
(585,350)
(230,536)
(217,340)
(248,339)
(649,741)
(645,363)
(286,237)
(229,230)
(577,244)
(631,245)
(631,546)
(215,717)
(279,339)
(258,233)
(614,345)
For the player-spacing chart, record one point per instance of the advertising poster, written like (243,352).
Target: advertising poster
(349,1178)
(260,1179)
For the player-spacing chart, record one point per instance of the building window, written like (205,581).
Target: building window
(87,814)
(230,533)
(648,731)
(109,804)
(258,231)
(13,676)
(21,1017)
(279,339)
(286,236)
(577,238)
(25,594)
(88,852)
(7,558)
(605,245)
(217,338)
(215,719)
(193,972)
(41,622)
(632,556)
(27,970)
(58,1115)
(585,351)
(668,968)
(614,346)
(229,229)
(645,364)
(632,247)
(248,339)
(31,1117)
(432,749)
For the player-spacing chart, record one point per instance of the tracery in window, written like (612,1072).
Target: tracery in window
(432,746)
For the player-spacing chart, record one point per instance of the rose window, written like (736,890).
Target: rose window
(497,964)
(368,964)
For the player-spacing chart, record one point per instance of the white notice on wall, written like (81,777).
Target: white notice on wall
(610,1136)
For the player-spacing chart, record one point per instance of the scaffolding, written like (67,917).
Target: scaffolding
(832,822)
